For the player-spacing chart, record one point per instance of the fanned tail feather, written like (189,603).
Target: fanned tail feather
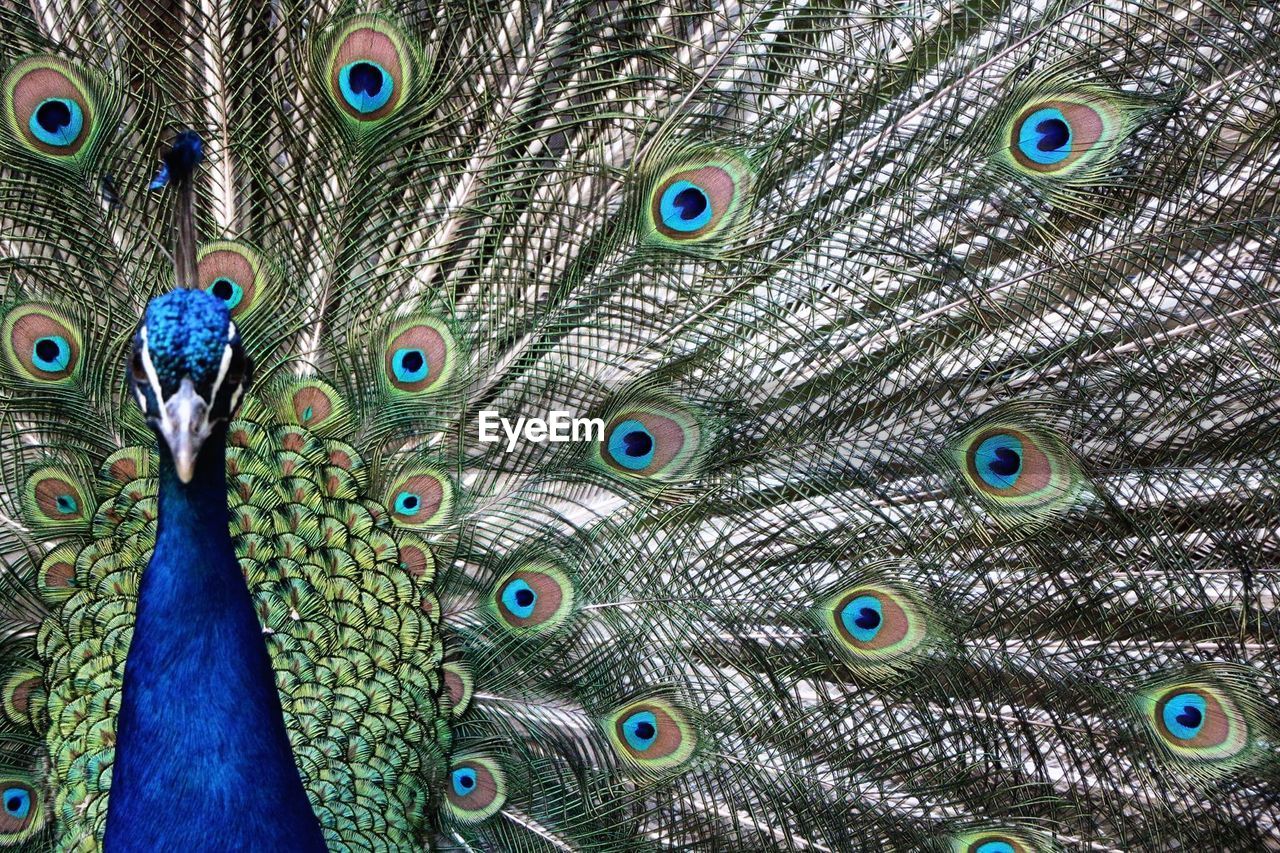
(934,348)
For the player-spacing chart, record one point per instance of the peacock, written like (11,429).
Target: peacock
(927,361)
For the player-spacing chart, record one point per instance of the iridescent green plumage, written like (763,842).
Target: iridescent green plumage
(356,658)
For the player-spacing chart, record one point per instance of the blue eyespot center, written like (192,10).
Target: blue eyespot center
(1045,137)
(685,207)
(308,413)
(519,598)
(638,443)
(366,85)
(227,290)
(1184,715)
(999,461)
(51,354)
(409,365)
(366,78)
(691,202)
(1054,134)
(66,504)
(57,121)
(464,781)
(53,115)
(863,617)
(17,802)
(1006,462)
(407,503)
(632,445)
(640,730)
(995,847)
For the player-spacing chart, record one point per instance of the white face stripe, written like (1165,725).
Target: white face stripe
(236,394)
(222,372)
(153,379)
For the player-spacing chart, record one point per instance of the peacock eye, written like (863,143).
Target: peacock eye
(57,122)
(366,85)
(420,497)
(409,365)
(51,354)
(659,442)
(640,730)
(227,290)
(653,735)
(1183,715)
(418,356)
(1020,470)
(17,802)
(370,72)
(41,344)
(1066,137)
(999,460)
(699,202)
(878,626)
(477,789)
(536,597)
(1044,136)
(235,273)
(137,368)
(48,107)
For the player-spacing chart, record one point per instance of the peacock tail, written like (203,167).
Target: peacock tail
(932,351)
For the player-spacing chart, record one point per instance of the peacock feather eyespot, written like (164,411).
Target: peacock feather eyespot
(458,686)
(416,557)
(997,841)
(370,70)
(312,404)
(1064,135)
(418,356)
(22,811)
(1053,135)
(235,273)
(654,736)
(698,201)
(1021,471)
(23,695)
(57,574)
(660,441)
(877,625)
(420,497)
(55,499)
(1210,724)
(41,344)
(534,598)
(476,789)
(48,108)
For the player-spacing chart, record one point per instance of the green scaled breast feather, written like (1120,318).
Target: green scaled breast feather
(355,652)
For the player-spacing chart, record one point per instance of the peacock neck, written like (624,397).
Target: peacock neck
(203,760)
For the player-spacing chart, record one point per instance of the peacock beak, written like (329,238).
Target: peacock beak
(185,426)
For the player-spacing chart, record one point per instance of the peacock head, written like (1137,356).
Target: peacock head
(188,371)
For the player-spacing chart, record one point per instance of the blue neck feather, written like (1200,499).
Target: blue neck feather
(203,761)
